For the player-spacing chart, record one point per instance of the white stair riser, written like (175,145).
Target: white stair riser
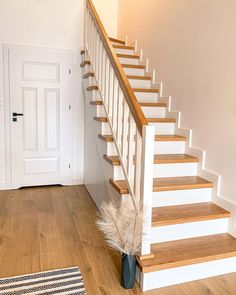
(189,230)
(154,112)
(123,51)
(146,96)
(100,111)
(111,149)
(103,127)
(134,72)
(140,83)
(170,170)
(164,128)
(178,275)
(169,147)
(95,94)
(129,61)
(92,81)
(115,171)
(175,170)
(108,148)
(181,197)
(87,69)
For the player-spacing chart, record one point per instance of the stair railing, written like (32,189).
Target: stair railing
(133,137)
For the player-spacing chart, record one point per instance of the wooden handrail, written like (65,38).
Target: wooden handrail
(131,99)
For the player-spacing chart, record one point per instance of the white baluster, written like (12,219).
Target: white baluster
(147,185)
(99,61)
(115,99)
(137,165)
(125,132)
(111,88)
(119,116)
(131,150)
(107,77)
(103,68)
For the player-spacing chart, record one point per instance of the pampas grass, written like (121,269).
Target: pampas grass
(122,225)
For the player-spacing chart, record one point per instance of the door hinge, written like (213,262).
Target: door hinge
(69,71)
(69,106)
(69,166)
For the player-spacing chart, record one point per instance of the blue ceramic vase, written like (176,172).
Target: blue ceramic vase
(128,271)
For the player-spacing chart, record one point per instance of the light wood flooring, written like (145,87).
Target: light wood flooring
(53,227)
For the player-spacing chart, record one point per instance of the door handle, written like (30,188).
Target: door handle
(17,115)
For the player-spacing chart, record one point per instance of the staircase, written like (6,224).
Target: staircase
(188,238)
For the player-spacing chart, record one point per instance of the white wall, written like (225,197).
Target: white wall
(192,46)
(53,24)
(108,13)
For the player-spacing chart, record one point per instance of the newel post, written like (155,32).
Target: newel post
(148,140)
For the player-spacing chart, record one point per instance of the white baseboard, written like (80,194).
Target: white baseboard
(77,181)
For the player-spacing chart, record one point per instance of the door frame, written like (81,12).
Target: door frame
(6,85)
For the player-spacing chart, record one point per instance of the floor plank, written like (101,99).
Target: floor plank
(53,227)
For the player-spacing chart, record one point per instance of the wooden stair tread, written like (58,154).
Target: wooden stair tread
(153,104)
(123,47)
(187,213)
(158,159)
(170,138)
(84,63)
(107,138)
(180,183)
(174,158)
(133,66)
(91,88)
(139,77)
(120,186)
(113,160)
(146,90)
(134,56)
(96,102)
(167,184)
(101,119)
(161,120)
(117,40)
(189,251)
(87,75)
(157,137)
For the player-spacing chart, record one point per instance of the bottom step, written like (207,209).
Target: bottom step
(187,260)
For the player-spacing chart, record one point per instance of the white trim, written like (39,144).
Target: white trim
(6,93)
(77,181)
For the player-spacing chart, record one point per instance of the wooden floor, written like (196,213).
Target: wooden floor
(53,227)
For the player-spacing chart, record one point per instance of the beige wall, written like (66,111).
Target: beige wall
(192,45)
(108,13)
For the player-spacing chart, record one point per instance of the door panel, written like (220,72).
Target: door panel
(41,140)
(52,117)
(30,120)
(2,144)
(40,71)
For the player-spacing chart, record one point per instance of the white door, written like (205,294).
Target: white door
(40,90)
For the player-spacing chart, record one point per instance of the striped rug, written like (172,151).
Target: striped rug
(61,281)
